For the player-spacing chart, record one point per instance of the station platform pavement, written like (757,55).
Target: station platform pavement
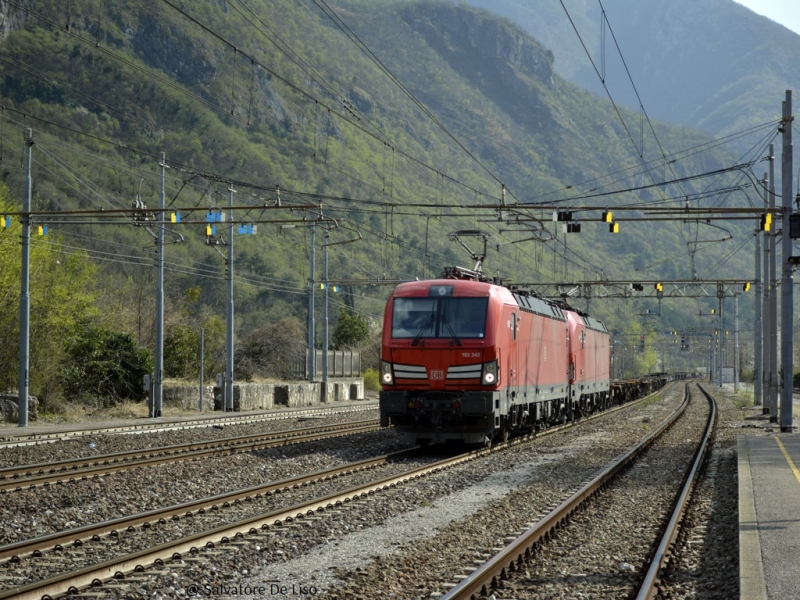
(769,516)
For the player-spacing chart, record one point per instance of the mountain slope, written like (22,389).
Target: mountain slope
(711,65)
(282,101)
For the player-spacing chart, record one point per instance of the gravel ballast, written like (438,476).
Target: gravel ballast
(405,542)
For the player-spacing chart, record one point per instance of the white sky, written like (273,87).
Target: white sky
(785,12)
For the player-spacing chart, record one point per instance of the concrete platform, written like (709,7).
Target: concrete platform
(769,516)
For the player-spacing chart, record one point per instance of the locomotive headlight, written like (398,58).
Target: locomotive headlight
(387,378)
(489,376)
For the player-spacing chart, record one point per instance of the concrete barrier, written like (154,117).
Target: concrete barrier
(293,395)
(246,396)
(264,396)
(187,397)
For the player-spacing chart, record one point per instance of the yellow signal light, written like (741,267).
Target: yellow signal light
(766,222)
(608,217)
(659,287)
(746,287)
(613,227)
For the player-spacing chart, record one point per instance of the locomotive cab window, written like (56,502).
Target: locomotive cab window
(444,317)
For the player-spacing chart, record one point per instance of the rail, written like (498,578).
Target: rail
(649,587)
(30,439)
(485,578)
(27,476)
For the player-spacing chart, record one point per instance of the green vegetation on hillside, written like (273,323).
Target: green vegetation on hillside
(274,97)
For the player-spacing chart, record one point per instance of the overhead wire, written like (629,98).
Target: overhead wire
(335,17)
(601,76)
(221,39)
(342,25)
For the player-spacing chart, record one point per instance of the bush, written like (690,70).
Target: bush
(350,331)
(372,381)
(181,349)
(104,366)
(276,351)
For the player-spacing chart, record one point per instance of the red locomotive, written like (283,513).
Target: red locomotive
(467,360)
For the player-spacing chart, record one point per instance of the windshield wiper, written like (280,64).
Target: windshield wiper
(450,329)
(423,328)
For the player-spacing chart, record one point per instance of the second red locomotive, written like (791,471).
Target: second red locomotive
(466,360)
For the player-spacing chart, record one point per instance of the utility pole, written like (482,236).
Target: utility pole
(787,291)
(736,343)
(713,374)
(325,309)
(773,300)
(202,364)
(757,326)
(158,376)
(229,315)
(765,313)
(721,337)
(25,290)
(311,322)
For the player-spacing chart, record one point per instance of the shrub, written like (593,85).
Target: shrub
(372,380)
(104,366)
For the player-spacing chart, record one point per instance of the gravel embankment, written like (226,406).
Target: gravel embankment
(706,563)
(404,542)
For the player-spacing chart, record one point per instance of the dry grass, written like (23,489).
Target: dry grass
(77,413)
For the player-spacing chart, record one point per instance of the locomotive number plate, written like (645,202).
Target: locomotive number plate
(437,374)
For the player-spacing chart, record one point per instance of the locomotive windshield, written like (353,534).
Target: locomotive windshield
(448,318)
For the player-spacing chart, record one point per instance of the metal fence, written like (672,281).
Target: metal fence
(341,363)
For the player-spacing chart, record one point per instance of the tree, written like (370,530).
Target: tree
(104,366)
(61,296)
(350,331)
(181,350)
(276,350)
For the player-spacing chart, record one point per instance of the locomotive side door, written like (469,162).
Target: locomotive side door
(513,359)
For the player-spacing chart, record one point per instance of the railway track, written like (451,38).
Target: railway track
(28,476)
(35,549)
(509,570)
(52,550)
(24,439)
(49,554)
(651,586)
